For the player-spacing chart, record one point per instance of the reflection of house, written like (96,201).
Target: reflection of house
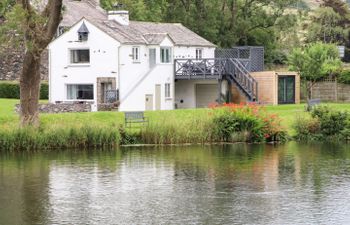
(101,56)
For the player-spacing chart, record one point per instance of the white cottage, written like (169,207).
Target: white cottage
(152,66)
(105,51)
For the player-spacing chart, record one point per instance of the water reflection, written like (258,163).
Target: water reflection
(232,184)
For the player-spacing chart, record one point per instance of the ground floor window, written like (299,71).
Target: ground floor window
(167,90)
(80,91)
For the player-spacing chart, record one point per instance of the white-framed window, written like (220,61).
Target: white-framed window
(80,91)
(167,90)
(136,54)
(165,55)
(79,56)
(199,53)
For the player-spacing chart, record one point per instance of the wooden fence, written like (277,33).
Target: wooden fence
(330,90)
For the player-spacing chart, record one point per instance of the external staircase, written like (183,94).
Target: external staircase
(232,69)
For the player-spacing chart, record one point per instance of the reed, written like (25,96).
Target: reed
(28,139)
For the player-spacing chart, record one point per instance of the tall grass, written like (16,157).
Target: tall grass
(26,139)
(197,128)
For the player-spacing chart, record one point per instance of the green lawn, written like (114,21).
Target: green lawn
(9,119)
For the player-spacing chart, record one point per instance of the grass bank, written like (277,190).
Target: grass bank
(103,128)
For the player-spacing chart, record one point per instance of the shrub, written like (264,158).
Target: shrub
(331,122)
(250,122)
(324,124)
(12,90)
(307,128)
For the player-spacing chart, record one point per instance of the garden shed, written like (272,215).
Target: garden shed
(278,87)
(273,88)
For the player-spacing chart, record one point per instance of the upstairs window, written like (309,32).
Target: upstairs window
(136,54)
(165,55)
(80,56)
(80,92)
(167,90)
(199,53)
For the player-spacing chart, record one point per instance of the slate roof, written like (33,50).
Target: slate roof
(136,32)
(83,29)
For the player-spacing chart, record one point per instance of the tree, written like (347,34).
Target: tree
(35,28)
(226,23)
(315,62)
(327,26)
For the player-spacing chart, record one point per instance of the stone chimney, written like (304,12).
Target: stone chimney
(121,16)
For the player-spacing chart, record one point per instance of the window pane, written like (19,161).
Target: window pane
(80,56)
(135,53)
(167,90)
(162,55)
(84,92)
(165,55)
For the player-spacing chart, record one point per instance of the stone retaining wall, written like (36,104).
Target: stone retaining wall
(107,107)
(331,91)
(61,108)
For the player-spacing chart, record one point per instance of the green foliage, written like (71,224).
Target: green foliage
(326,26)
(324,124)
(230,122)
(5,6)
(344,77)
(307,129)
(225,23)
(58,138)
(249,122)
(12,90)
(331,122)
(315,61)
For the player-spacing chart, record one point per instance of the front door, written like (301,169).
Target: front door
(152,57)
(286,90)
(149,102)
(158,96)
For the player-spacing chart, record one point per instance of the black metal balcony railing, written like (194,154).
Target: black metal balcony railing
(111,96)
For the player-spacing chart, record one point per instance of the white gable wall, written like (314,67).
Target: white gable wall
(103,61)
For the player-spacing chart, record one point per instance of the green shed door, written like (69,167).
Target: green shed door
(286,90)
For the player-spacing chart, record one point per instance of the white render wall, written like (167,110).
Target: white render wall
(103,61)
(138,80)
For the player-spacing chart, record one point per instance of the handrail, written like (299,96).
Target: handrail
(243,77)
(216,68)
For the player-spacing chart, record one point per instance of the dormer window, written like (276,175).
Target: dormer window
(83,33)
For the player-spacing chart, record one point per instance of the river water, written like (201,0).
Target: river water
(232,184)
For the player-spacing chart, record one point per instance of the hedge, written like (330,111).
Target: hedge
(10,89)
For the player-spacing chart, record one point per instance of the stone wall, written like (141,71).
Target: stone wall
(11,64)
(61,108)
(331,91)
(107,107)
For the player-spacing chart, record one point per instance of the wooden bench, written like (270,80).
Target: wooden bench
(311,103)
(135,118)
